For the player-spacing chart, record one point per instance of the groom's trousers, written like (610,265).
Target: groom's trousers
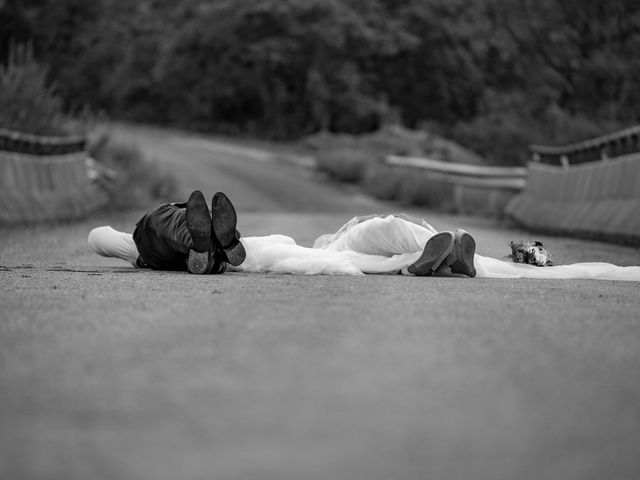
(163,239)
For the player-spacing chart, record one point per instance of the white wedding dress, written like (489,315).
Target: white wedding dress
(363,245)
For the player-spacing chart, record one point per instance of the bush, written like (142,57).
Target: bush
(418,190)
(360,159)
(407,186)
(131,179)
(346,164)
(27,102)
(502,141)
(347,158)
(382,181)
(504,137)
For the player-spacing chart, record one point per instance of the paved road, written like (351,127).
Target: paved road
(111,373)
(257,180)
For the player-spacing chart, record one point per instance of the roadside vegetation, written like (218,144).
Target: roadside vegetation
(359,159)
(492,75)
(29,103)
(130,179)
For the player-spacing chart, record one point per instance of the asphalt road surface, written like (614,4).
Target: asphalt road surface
(107,372)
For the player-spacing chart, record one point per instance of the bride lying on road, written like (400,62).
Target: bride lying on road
(188,237)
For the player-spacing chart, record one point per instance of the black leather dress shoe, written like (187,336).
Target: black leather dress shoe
(223,223)
(199,226)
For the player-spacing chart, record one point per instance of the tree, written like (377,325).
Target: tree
(495,74)
(28,103)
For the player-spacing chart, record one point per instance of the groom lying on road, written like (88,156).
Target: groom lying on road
(187,236)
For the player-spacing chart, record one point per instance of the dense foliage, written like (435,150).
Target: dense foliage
(127,175)
(493,74)
(28,102)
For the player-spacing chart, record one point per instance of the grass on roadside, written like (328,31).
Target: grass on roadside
(131,180)
(28,102)
(360,159)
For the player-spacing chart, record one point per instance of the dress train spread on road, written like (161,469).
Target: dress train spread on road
(364,245)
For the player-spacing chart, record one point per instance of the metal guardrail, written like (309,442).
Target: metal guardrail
(46,178)
(476,176)
(18,142)
(597,200)
(612,145)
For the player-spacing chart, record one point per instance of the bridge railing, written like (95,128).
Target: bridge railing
(19,142)
(589,189)
(608,146)
(475,187)
(45,178)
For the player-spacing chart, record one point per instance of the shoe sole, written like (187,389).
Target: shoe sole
(236,254)
(435,252)
(198,262)
(223,221)
(465,247)
(199,226)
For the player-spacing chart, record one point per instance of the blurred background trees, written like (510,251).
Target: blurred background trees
(494,75)
(27,100)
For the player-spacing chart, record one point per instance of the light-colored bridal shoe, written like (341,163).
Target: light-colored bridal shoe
(437,249)
(465,249)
